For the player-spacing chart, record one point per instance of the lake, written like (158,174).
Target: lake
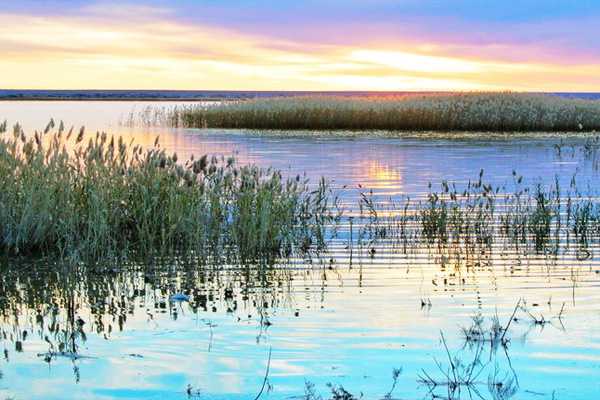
(344,320)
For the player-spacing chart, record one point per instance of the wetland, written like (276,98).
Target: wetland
(218,263)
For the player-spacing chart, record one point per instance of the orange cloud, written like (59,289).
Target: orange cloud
(148,49)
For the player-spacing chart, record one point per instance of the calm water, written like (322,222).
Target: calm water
(329,321)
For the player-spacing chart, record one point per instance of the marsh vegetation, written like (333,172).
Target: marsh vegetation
(479,216)
(69,194)
(496,112)
(92,197)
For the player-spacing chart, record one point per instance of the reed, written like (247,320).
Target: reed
(95,196)
(498,112)
(480,217)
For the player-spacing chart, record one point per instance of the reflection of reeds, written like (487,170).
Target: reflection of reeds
(500,112)
(48,303)
(63,194)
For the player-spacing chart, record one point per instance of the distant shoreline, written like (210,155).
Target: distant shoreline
(209,95)
(167,99)
(173,95)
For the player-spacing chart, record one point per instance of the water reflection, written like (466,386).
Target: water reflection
(382,176)
(347,161)
(104,330)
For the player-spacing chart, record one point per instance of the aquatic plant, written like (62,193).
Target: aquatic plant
(495,334)
(502,386)
(467,222)
(457,375)
(95,196)
(460,377)
(541,218)
(395,375)
(498,112)
(541,321)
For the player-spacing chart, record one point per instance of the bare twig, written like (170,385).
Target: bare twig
(510,320)
(266,376)
(449,357)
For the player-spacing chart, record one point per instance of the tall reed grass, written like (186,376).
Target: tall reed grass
(500,112)
(95,196)
(78,195)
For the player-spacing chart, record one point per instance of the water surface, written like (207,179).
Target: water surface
(333,320)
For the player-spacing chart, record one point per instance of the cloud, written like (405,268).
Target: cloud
(154,46)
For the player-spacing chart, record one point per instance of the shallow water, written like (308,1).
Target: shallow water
(336,321)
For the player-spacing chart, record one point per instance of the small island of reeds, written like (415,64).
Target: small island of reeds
(497,112)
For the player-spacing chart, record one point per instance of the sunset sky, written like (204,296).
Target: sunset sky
(532,45)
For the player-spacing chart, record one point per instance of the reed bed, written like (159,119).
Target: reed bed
(94,196)
(76,195)
(480,217)
(497,112)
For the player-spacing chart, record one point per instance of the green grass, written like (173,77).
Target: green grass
(94,196)
(497,112)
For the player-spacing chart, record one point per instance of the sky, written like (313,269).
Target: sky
(395,45)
